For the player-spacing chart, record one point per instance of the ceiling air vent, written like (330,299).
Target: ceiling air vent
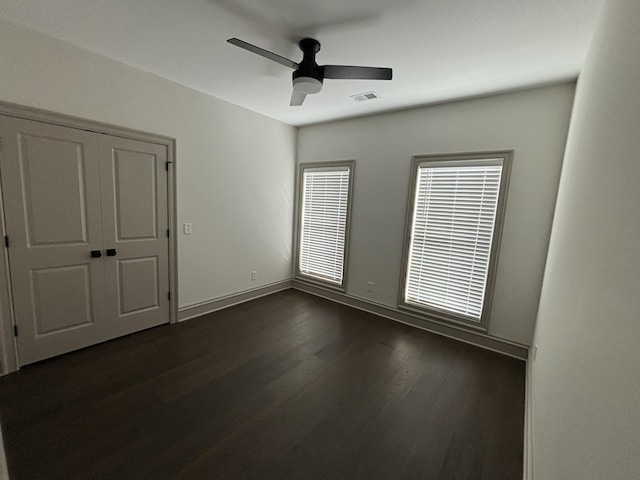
(363,97)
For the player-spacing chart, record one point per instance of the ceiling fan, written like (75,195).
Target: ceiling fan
(308,75)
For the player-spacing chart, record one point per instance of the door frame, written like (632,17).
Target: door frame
(8,349)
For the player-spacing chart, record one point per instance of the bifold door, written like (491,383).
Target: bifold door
(86,216)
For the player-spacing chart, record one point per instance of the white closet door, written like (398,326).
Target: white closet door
(87,220)
(135,223)
(51,191)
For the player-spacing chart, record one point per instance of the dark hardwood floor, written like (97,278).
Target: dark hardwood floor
(289,386)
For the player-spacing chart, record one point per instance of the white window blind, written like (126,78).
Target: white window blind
(451,236)
(324,222)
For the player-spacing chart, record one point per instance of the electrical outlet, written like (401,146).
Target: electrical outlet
(535,351)
(254,275)
(370,287)
(187,229)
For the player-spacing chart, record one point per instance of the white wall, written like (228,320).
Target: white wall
(586,374)
(235,167)
(534,123)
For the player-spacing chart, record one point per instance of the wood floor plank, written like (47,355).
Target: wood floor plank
(288,386)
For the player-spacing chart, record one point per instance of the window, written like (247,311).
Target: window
(453,231)
(323,226)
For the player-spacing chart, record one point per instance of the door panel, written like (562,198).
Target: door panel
(51,190)
(136,194)
(139,289)
(62,298)
(135,219)
(53,168)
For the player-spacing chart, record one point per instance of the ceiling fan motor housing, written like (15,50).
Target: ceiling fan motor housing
(309,76)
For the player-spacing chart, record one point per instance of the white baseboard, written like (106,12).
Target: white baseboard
(482,340)
(197,309)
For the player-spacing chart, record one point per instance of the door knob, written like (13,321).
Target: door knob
(96,254)
(111,252)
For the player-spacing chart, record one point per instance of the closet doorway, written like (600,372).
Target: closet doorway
(88,235)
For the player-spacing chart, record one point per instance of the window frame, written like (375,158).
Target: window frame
(298,275)
(458,159)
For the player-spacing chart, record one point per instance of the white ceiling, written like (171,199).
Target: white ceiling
(439,49)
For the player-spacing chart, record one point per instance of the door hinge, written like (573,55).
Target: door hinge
(169,295)
(15,330)
(166,165)
(6,241)
(168,233)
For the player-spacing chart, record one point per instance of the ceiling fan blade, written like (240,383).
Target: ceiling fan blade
(357,73)
(263,53)
(297,98)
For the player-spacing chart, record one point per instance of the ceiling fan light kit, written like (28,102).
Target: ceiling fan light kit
(307,85)
(308,76)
